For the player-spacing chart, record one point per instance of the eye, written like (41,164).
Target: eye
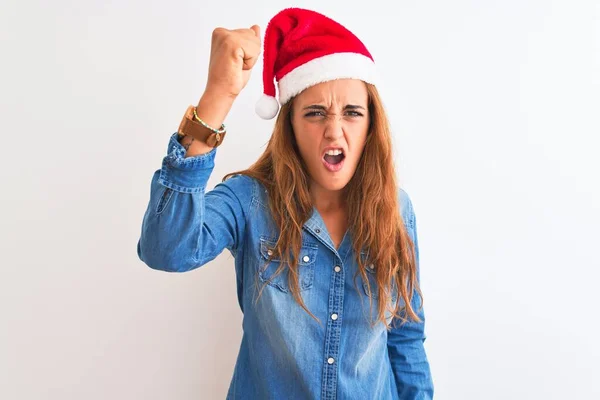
(314,114)
(354,113)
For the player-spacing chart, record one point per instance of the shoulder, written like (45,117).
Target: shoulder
(241,185)
(406,207)
(239,181)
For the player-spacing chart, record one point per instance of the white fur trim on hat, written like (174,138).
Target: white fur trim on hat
(326,68)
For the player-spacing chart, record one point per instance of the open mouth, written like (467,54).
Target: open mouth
(334,159)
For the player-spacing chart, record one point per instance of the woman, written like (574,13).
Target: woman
(325,243)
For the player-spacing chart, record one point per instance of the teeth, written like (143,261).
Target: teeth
(334,152)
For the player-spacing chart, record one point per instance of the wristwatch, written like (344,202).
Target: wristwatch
(189,126)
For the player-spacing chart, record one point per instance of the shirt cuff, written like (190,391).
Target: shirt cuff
(185,174)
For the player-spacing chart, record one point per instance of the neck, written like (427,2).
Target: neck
(327,201)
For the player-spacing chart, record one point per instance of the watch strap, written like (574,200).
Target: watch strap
(189,126)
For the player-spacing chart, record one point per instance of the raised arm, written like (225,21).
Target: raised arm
(184,226)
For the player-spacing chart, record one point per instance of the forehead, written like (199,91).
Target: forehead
(338,91)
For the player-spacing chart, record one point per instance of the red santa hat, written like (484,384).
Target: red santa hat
(303,48)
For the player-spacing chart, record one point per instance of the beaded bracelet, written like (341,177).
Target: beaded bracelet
(217,131)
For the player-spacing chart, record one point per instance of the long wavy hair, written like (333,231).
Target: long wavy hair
(374,213)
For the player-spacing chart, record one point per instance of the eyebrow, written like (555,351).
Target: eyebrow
(320,107)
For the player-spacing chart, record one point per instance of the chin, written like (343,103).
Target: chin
(333,184)
(332,181)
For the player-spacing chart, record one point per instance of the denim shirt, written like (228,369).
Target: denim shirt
(284,352)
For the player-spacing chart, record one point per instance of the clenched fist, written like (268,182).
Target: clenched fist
(233,53)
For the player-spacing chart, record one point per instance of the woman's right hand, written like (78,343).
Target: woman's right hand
(233,53)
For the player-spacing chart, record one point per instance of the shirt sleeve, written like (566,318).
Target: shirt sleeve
(405,344)
(184,226)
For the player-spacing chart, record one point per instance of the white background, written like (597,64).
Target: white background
(494,107)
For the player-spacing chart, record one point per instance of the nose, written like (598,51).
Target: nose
(334,128)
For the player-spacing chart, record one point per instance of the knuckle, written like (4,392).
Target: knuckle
(219,32)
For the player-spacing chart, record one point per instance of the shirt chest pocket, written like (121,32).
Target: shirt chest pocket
(372,278)
(267,269)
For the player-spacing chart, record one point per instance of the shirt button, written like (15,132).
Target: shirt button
(269,252)
(334,316)
(306,259)
(330,360)
(318,230)
(337,268)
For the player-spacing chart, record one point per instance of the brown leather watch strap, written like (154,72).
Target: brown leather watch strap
(189,126)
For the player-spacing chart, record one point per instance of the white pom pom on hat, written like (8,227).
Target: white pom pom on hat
(267,107)
(303,48)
